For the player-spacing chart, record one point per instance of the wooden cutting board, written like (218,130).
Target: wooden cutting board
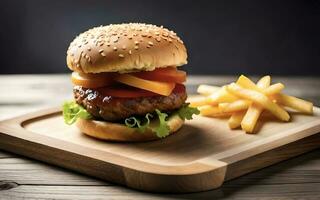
(201,156)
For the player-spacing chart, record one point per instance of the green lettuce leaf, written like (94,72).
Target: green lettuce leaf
(163,129)
(133,122)
(72,111)
(186,112)
(142,123)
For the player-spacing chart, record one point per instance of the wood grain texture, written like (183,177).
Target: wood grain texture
(28,172)
(281,191)
(295,173)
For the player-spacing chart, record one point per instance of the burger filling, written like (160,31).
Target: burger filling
(102,105)
(132,99)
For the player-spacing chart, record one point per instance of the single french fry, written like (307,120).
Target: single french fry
(259,99)
(251,117)
(235,106)
(295,103)
(212,111)
(222,96)
(245,82)
(201,102)
(235,119)
(206,90)
(223,105)
(264,82)
(273,89)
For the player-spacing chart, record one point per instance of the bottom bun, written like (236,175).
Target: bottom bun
(121,133)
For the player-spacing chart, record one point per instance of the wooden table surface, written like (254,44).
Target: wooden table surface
(24,178)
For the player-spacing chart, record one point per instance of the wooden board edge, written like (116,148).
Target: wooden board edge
(265,159)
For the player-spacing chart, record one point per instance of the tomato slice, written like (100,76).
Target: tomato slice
(92,80)
(125,92)
(168,74)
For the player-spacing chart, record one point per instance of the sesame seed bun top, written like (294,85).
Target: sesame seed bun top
(125,48)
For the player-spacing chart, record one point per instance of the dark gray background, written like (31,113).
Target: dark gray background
(222,37)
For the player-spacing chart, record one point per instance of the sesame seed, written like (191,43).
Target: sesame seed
(89,49)
(136,47)
(150,43)
(103,54)
(101,50)
(101,44)
(158,39)
(130,52)
(136,42)
(114,39)
(124,47)
(121,55)
(115,48)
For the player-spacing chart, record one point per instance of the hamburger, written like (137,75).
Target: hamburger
(126,84)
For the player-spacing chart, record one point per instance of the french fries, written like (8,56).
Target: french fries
(253,113)
(251,117)
(300,105)
(201,102)
(222,96)
(235,120)
(206,90)
(212,111)
(264,82)
(260,99)
(273,89)
(244,102)
(235,106)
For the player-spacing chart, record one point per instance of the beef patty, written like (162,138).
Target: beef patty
(113,108)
